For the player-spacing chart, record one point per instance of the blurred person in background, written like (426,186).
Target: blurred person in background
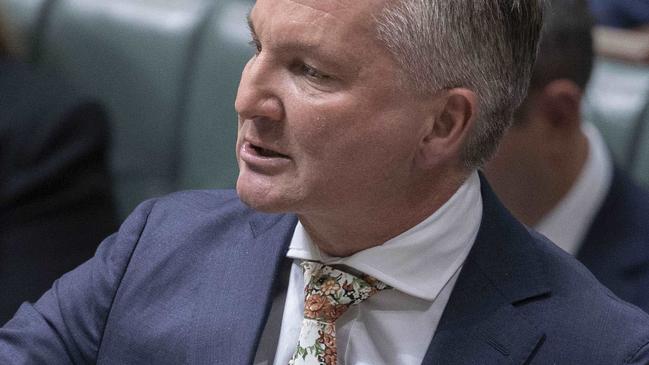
(554,172)
(630,14)
(55,191)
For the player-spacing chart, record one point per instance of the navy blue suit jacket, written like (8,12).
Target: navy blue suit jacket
(190,278)
(616,247)
(56,201)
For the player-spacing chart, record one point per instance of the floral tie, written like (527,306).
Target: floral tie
(328,293)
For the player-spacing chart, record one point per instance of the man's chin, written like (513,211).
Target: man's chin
(261,200)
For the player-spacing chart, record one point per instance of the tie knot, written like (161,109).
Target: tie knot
(329,292)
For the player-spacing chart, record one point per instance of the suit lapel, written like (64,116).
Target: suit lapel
(481,323)
(239,306)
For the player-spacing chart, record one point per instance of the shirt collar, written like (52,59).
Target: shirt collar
(420,261)
(583,200)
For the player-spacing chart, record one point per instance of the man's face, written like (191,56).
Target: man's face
(322,123)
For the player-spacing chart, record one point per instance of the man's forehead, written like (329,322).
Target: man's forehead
(328,7)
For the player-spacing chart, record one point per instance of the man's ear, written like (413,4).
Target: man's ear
(557,117)
(454,114)
(560,105)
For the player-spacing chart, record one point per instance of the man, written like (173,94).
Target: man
(56,199)
(555,173)
(365,120)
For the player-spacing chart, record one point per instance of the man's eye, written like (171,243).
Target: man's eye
(313,73)
(254,43)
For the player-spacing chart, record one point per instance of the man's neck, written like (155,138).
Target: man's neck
(343,235)
(561,174)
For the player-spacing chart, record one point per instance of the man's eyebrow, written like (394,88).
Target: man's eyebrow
(295,45)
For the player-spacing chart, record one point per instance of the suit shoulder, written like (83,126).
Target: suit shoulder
(582,305)
(193,206)
(572,280)
(202,200)
(219,211)
(616,246)
(638,214)
(627,204)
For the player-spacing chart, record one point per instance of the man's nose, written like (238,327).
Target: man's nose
(258,94)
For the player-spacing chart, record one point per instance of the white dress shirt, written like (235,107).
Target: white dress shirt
(393,326)
(567,224)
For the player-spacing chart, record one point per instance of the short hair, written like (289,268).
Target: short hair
(566,48)
(488,46)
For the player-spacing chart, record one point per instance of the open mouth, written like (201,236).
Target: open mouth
(263,152)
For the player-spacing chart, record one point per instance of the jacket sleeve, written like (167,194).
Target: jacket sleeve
(66,325)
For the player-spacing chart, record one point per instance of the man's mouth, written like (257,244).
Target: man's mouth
(263,152)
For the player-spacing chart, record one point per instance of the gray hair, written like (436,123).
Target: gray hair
(488,46)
